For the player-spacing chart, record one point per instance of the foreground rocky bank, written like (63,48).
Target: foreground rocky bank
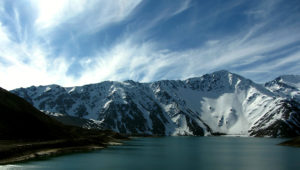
(12,151)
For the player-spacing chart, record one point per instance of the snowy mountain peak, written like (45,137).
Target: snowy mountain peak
(287,86)
(291,80)
(223,81)
(221,102)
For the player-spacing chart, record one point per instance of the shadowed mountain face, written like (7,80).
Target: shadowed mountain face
(220,102)
(20,120)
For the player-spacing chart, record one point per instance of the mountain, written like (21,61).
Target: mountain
(27,133)
(216,103)
(20,120)
(75,121)
(287,86)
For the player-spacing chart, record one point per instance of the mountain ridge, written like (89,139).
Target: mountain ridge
(219,102)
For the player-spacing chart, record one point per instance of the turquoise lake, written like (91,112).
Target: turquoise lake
(186,153)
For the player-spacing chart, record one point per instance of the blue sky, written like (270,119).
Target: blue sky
(76,42)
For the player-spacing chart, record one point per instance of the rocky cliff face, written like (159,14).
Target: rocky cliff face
(220,102)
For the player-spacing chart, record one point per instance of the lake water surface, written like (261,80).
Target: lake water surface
(186,153)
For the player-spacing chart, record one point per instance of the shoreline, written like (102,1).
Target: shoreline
(18,152)
(47,149)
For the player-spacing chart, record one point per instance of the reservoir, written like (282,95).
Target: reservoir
(179,153)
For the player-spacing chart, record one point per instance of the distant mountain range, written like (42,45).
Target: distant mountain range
(218,103)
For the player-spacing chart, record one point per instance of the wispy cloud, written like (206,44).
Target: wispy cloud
(145,62)
(66,43)
(25,62)
(24,65)
(88,15)
(185,5)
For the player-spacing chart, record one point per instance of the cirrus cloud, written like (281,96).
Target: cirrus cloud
(88,41)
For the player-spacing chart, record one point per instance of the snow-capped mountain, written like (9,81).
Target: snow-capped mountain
(220,102)
(287,86)
(75,121)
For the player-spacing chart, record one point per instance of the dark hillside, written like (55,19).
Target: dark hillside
(20,120)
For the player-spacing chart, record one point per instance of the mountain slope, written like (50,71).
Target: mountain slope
(20,120)
(287,86)
(75,121)
(220,102)
(26,133)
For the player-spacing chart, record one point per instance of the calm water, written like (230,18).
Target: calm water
(207,153)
